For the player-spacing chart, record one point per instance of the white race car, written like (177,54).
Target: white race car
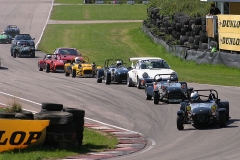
(145,68)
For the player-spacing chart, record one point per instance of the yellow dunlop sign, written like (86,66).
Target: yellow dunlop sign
(229,41)
(18,134)
(228,23)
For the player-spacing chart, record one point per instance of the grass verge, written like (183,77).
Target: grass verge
(96,12)
(92,142)
(121,40)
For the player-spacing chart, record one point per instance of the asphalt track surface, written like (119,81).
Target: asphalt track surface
(113,104)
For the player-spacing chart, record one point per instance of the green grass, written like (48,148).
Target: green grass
(93,141)
(97,12)
(121,40)
(69,1)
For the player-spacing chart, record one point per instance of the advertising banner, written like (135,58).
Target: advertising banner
(229,41)
(229,23)
(18,134)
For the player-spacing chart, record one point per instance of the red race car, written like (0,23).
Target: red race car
(67,54)
(51,63)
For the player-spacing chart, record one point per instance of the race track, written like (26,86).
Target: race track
(113,104)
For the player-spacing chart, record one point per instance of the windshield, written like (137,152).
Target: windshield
(154,64)
(23,37)
(68,52)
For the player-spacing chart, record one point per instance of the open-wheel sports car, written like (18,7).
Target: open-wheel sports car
(203,108)
(12,30)
(144,69)
(51,63)
(67,54)
(23,39)
(5,38)
(81,67)
(114,71)
(23,49)
(166,87)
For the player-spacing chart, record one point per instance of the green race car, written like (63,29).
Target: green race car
(5,38)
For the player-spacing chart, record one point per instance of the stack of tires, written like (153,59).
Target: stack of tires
(63,131)
(189,31)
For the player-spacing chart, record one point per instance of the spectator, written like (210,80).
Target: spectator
(214,10)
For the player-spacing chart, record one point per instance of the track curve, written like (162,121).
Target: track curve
(113,104)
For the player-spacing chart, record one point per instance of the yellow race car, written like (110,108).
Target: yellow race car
(80,67)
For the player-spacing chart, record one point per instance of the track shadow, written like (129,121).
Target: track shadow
(3,68)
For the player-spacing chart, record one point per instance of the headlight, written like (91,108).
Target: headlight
(188,108)
(145,75)
(213,107)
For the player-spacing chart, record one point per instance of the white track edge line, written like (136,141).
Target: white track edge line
(49,13)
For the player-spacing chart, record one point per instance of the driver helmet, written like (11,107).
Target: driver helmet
(18,43)
(194,96)
(49,56)
(78,59)
(119,63)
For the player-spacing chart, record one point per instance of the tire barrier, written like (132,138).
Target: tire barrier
(78,119)
(66,124)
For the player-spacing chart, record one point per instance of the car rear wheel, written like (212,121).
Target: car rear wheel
(74,73)
(67,74)
(39,68)
(129,81)
(47,68)
(108,79)
(148,97)
(156,97)
(138,83)
(180,124)
(14,54)
(222,119)
(99,80)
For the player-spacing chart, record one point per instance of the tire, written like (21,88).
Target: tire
(62,128)
(148,97)
(52,106)
(33,54)
(225,104)
(129,82)
(180,124)
(99,80)
(55,117)
(67,74)
(39,68)
(222,119)
(29,114)
(108,79)
(196,40)
(156,97)
(138,84)
(47,68)
(7,115)
(74,72)
(60,137)
(14,54)
(76,112)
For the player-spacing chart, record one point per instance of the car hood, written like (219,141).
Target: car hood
(3,36)
(201,108)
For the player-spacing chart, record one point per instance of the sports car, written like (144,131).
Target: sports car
(166,87)
(12,30)
(145,68)
(5,38)
(67,54)
(23,38)
(83,69)
(113,72)
(50,63)
(23,49)
(203,108)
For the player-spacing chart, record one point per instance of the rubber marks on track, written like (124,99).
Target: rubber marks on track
(128,143)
